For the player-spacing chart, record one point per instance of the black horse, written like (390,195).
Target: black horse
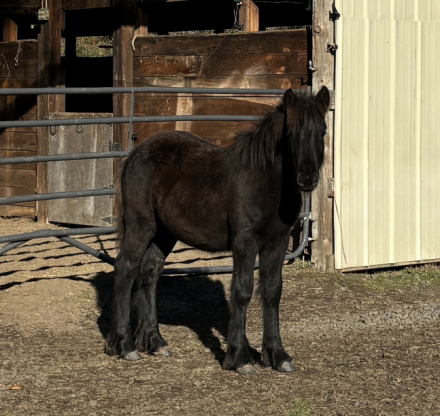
(244,198)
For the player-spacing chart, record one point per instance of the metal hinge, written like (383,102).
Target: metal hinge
(114,147)
(334,14)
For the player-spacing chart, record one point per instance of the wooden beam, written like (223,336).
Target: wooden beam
(10,30)
(249,16)
(125,14)
(141,26)
(322,200)
(49,62)
(85,4)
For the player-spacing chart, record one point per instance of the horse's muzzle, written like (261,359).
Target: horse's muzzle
(307,181)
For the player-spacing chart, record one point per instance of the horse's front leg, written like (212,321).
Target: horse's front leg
(238,356)
(270,287)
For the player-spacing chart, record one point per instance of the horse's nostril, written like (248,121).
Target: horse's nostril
(307,180)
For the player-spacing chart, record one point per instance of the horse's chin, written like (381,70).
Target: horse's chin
(307,188)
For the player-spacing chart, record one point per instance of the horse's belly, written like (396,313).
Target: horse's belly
(198,227)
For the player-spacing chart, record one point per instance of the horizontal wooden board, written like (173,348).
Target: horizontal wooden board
(234,81)
(26,68)
(204,129)
(84,4)
(147,104)
(20,104)
(18,141)
(16,211)
(238,43)
(8,192)
(18,82)
(17,178)
(28,50)
(14,153)
(218,65)
(7,117)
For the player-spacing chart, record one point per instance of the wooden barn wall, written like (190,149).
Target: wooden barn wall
(17,180)
(244,60)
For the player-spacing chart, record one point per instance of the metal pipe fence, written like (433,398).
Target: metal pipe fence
(14,241)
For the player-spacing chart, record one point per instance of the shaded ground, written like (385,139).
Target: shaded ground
(363,345)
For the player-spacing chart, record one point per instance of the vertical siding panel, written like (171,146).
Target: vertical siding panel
(435,11)
(392,142)
(339,90)
(417,136)
(365,137)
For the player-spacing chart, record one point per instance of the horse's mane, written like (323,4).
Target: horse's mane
(256,148)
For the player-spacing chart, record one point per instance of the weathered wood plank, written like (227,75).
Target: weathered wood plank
(237,43)
(16,211)
(13,153)
(18,141)
(28,49)
(218,65)
(20,104)
(249,16)
(7,117)
(17,178)
(27,68)
(203,105)
(49,62)
(18,82)
(322,204)
(8,192)
(236,81)
(10,29)
(206,130)
(85,4)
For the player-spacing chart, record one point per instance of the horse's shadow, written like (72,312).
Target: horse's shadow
(196,302)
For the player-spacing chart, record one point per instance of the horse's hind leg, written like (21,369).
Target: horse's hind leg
(138,235)
(148,337)
(270,286)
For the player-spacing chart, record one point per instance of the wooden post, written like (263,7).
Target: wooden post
(49,61)
(141,26)
(322,199)
(125,16)
(249,16)
(10,30)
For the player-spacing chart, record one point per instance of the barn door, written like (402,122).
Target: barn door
(387,150)
(79,175)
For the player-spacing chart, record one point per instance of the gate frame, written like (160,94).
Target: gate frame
(16,240)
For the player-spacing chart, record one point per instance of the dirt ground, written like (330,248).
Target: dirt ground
(359,348)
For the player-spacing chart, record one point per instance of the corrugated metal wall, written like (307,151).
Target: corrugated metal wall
(387,144)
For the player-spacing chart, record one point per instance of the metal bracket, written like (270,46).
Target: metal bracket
(110,220)
(332,48)
(334,14)
(114,147)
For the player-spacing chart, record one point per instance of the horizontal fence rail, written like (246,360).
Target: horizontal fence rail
(14,241)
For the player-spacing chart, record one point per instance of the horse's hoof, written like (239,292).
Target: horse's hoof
(246,370)
(132,356)
(163,352)
(286,367)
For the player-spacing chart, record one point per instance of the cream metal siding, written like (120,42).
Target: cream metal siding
(387,149)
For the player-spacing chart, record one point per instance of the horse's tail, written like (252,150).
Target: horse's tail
(119,203)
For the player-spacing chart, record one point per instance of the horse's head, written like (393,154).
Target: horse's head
(306,128)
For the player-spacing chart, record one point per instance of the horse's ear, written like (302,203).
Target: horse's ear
(323,98)
(289,99)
